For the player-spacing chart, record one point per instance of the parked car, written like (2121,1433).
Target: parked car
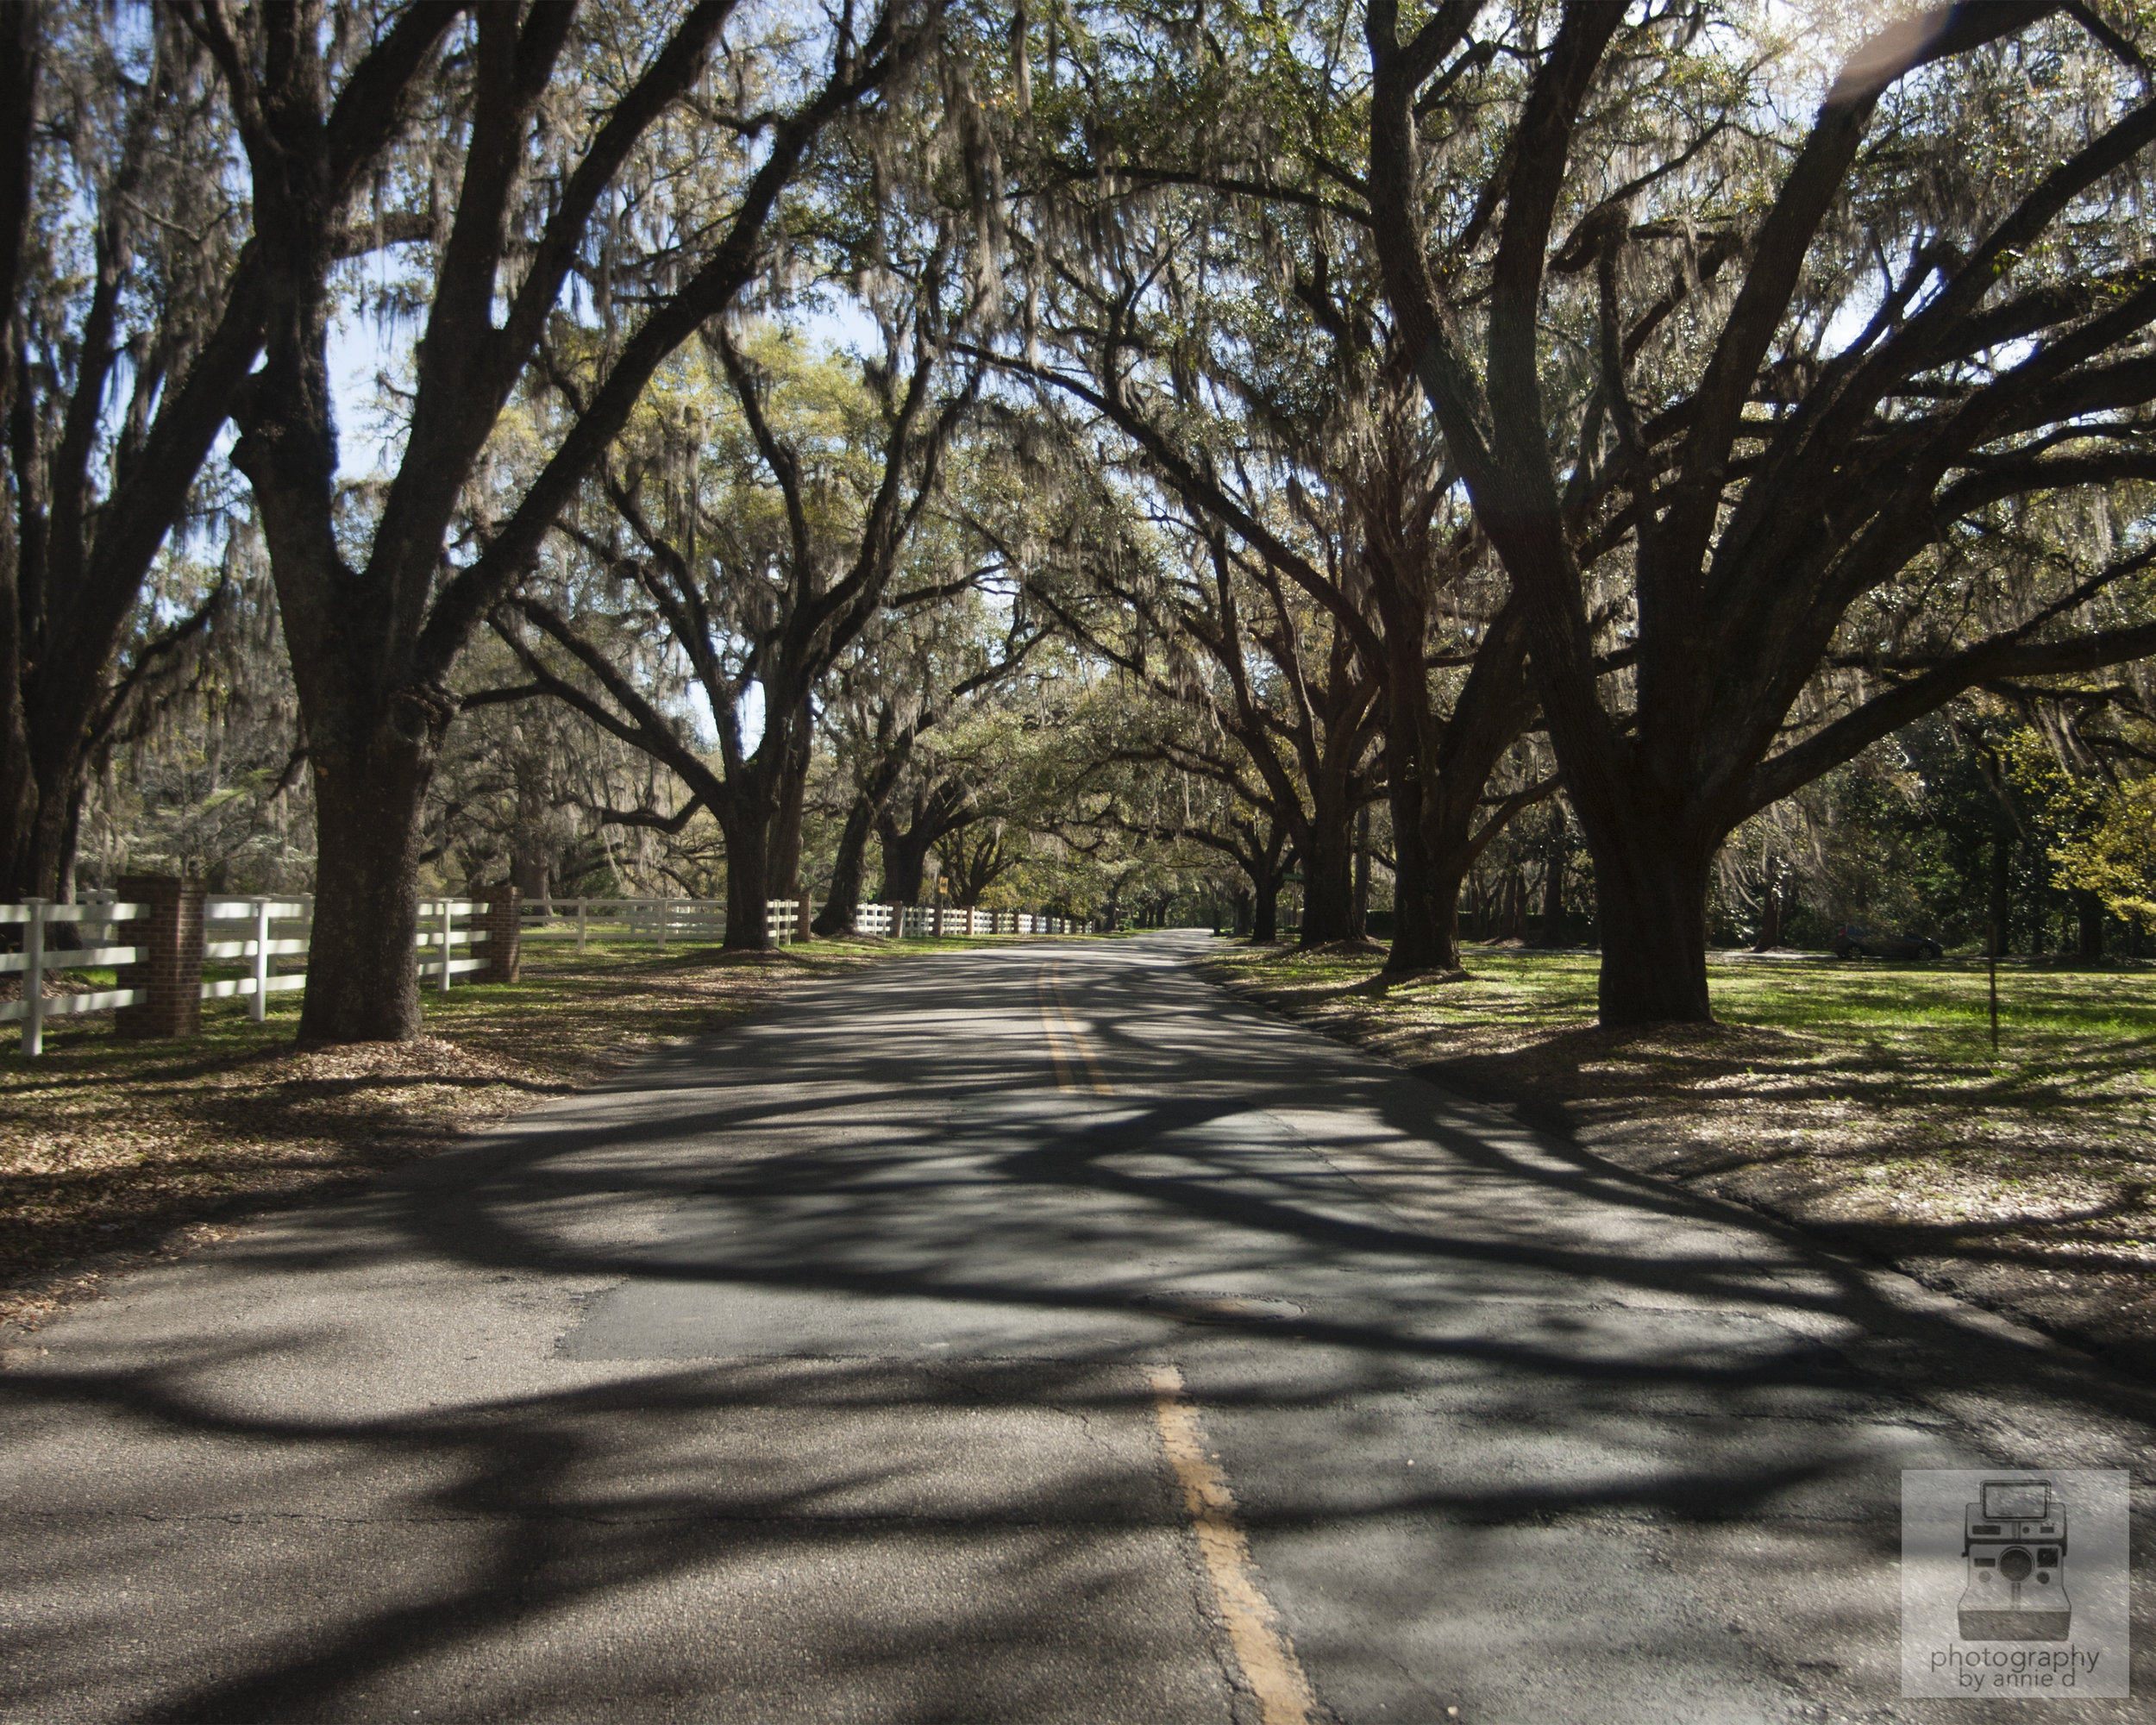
(1851,942)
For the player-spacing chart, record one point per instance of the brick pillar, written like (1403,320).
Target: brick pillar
(503,920)
(170,970)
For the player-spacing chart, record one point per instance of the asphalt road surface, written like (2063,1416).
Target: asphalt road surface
(1022,1335)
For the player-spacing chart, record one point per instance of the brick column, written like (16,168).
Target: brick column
(170,970)
(503,920)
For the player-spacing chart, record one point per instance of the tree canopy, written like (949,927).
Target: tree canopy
(1655,474)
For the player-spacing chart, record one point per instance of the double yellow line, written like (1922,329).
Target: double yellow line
(1067,1048)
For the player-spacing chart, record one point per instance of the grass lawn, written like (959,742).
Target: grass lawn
(1859,1097)
(112,1152)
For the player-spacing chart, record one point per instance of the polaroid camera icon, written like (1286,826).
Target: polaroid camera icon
(2015,1542)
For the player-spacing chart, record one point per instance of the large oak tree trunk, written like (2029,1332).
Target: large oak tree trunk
(1328,870)
(1651,893)
(2089,921)
(746,823)
(844,897)
(784,878)
(904,862)
(1425,928)
(46,792)
(362,979)
(1265,916)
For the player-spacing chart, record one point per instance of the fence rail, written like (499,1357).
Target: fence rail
(255,934)
(659,921)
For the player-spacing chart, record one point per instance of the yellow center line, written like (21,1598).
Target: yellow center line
(1057,1021)
(1261,1645)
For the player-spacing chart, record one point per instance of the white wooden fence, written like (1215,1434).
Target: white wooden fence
(258,931)
(36,916)
(658,920)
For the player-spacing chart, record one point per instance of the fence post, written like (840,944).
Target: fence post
(448,933)
(504,921)
(33,977)
(579,927)
(169,972)
(257,1005)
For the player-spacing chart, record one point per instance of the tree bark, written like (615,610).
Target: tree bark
(1265,917)
(1362,907)
(362,979)
(790,805)
(1328,869)
(2089,919)
(2002,884)
(1552,929)
(843,898)
(1770,909)
(746,819)
(1651,907)
(1424,936)
(904,861)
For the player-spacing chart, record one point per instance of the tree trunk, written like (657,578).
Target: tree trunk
(1512,913)
(71,842)
(1552,932)
(1361,909)
(1242,903)
(784,879)
(1265,921)
(746,824)
(904,861)
(1652,909)
(1770,910)
(362,981)
(1328,868)
(528,862)
(1448,880)
(844,899)
(2002,885)
(2089,915)
(47,784)
(1426,927)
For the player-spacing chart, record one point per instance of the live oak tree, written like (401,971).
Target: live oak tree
(755,518)
(1157,773)
(130,313)
(1198,274)
(934,661)
(601,161)
(1788,400)
(1284,697)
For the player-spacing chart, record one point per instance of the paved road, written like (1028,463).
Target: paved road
(1019,1336)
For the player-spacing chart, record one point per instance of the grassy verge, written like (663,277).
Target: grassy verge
(1863,1100)
(113,1152)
